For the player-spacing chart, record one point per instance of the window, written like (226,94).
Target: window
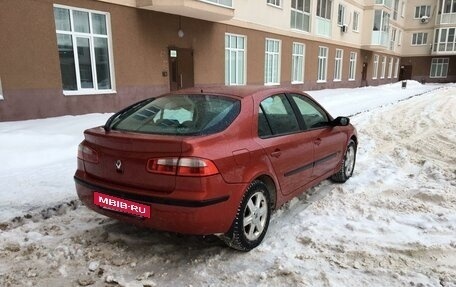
(228,3)
(300,15)
(341,15)
(324,9)
(382,76)
(274,2)
(393,38)
(390,67)
(402,9)
(338,65)
(449,6)
(419,38)
(375,71)
(272,62)
(445,40)
(322,63)
(235,59)
(356,21)
(399,38)
(178,115)
(83,40)
(396,7)
(380,35)
(439,67)
(352,67)
(424,10)
(297,69)
(1,90)
(386,3)
(312,114)
(396,68)
(276,117)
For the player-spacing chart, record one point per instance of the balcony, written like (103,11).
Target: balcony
(448,18)
(210,10)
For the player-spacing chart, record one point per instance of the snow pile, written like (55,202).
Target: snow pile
(392,224)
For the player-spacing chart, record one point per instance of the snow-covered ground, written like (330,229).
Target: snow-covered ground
(392,224)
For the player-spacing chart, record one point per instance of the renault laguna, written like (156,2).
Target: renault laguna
(212,161)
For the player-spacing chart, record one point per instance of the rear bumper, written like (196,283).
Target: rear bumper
(208,213)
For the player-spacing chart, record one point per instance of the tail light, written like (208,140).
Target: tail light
(185,166)
(86,153)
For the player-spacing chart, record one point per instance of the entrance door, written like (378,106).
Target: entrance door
(364,75)
(180,68)
(405,73)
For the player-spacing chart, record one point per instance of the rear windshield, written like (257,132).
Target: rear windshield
(178,115)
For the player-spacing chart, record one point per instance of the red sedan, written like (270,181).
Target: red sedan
(212,161)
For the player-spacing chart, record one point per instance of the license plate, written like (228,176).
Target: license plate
(121,205)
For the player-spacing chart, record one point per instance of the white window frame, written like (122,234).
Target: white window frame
(375,69)
(74,35)
(427,11)
(382,75)
(402,9)
(356,21)
(298,59)
(324,11)
(441,64)
(218,3)
(390,67)
(340,15)
(352,66)
(322,64)
(422,36)
(399,37)
(302,12)
(1,89)
(238,80)
(338,61)
(275,69)
(395,8)
(396,68)
(274,3)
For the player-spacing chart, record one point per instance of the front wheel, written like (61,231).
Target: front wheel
(252,219)
(348,164)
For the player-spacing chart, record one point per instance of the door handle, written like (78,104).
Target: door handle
(317,141)
(276,153)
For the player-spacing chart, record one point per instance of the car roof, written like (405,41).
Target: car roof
(238,91)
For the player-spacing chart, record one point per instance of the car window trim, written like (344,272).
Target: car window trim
(296,110)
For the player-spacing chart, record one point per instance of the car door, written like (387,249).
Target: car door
(328,141)
(288,149)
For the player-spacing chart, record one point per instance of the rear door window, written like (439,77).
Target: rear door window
(179,115)
(276,117)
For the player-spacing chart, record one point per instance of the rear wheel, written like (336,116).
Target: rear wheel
(252,219)
(348,164)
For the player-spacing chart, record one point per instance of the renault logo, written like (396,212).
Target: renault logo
(118,165)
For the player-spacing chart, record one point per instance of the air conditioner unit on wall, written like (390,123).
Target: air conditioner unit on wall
(424,19)
(344,28)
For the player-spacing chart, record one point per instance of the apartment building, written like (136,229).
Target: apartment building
(82,56)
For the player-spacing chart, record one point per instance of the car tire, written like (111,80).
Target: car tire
(252,219)
(348,164)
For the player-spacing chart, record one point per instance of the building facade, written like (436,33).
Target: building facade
(82,56)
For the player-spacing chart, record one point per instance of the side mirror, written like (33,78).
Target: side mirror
(341,121)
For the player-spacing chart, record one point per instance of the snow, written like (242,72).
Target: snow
(393,223)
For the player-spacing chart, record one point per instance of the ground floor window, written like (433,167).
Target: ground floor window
(390,68)
(338,65)
(352,66)
(235,59)
(382,76)
(322,63)
(375,71)
(298,63)
(84,45)
(272,62)
(396,68)
(439,67)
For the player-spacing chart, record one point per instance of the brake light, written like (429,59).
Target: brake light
(186,166)
(86,153)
